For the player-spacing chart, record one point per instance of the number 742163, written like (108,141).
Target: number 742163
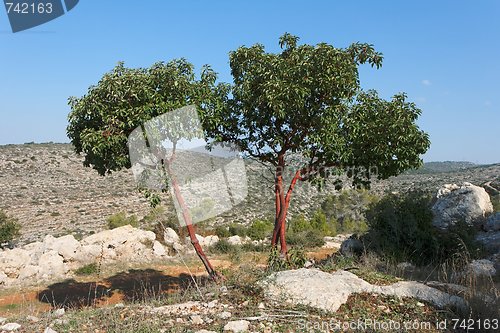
(29,8)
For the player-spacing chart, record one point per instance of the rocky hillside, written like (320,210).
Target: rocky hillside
(49,190)
(446,166)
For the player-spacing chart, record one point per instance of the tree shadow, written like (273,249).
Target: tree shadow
(129,286)
(146,284)
(73,294)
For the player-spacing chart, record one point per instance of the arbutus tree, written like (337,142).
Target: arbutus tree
(125,99)
(306,101)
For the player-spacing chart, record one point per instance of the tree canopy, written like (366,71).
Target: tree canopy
(125,98)
(307,100)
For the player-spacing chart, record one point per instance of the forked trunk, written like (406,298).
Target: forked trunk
(282,203)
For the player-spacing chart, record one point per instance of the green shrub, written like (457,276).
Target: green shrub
(9,228)
(495,200)
(346,211)
(318,222)
(260,229)
(296,258)
(222,231)
(401,230)
(121,219)
(299,223)
(89,269)
(309,238)
(354,227)
(223,247)
(237,229)
(309,233)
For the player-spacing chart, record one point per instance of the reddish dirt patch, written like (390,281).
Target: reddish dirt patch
(129,286)
(321,254)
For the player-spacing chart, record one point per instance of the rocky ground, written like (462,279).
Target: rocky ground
(49,190)
(176,296)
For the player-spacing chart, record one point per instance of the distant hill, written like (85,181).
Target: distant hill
(446,166)
(49,190)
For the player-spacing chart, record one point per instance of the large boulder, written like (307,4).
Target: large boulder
(170,237)
(493,222)
(468,203)
(328,291)
(66,246)
(127,243)
(51,266)
(351,247)
(55,258)
(12,261)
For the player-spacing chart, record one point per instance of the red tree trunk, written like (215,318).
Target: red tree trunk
(192,234)
(282,203)
(189,225)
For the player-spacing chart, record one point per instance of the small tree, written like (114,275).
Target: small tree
(9,228)
(306,102)
(101,122)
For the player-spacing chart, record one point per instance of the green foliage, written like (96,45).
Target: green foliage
(337,261)
(318,222)
(299,224)
(308,238)
(401,230)
(355,227)
(223,247)
(9,228)
(309,233)
(346,211)
(222,231)
(495,200)
(260,229)
(89,269)
(296,258)
(307,100)
(237,229)
(120,219)
(101,121)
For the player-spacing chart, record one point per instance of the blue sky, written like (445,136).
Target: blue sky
(443,54)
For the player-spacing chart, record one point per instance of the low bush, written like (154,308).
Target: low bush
(223,247)
(9,228)
(89,269)
(495,200)
(222,231)
(121,219)
(308,233)
(346,211)
(260,229)
(308,238)
(237,229)
(401,230)
(296,258)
